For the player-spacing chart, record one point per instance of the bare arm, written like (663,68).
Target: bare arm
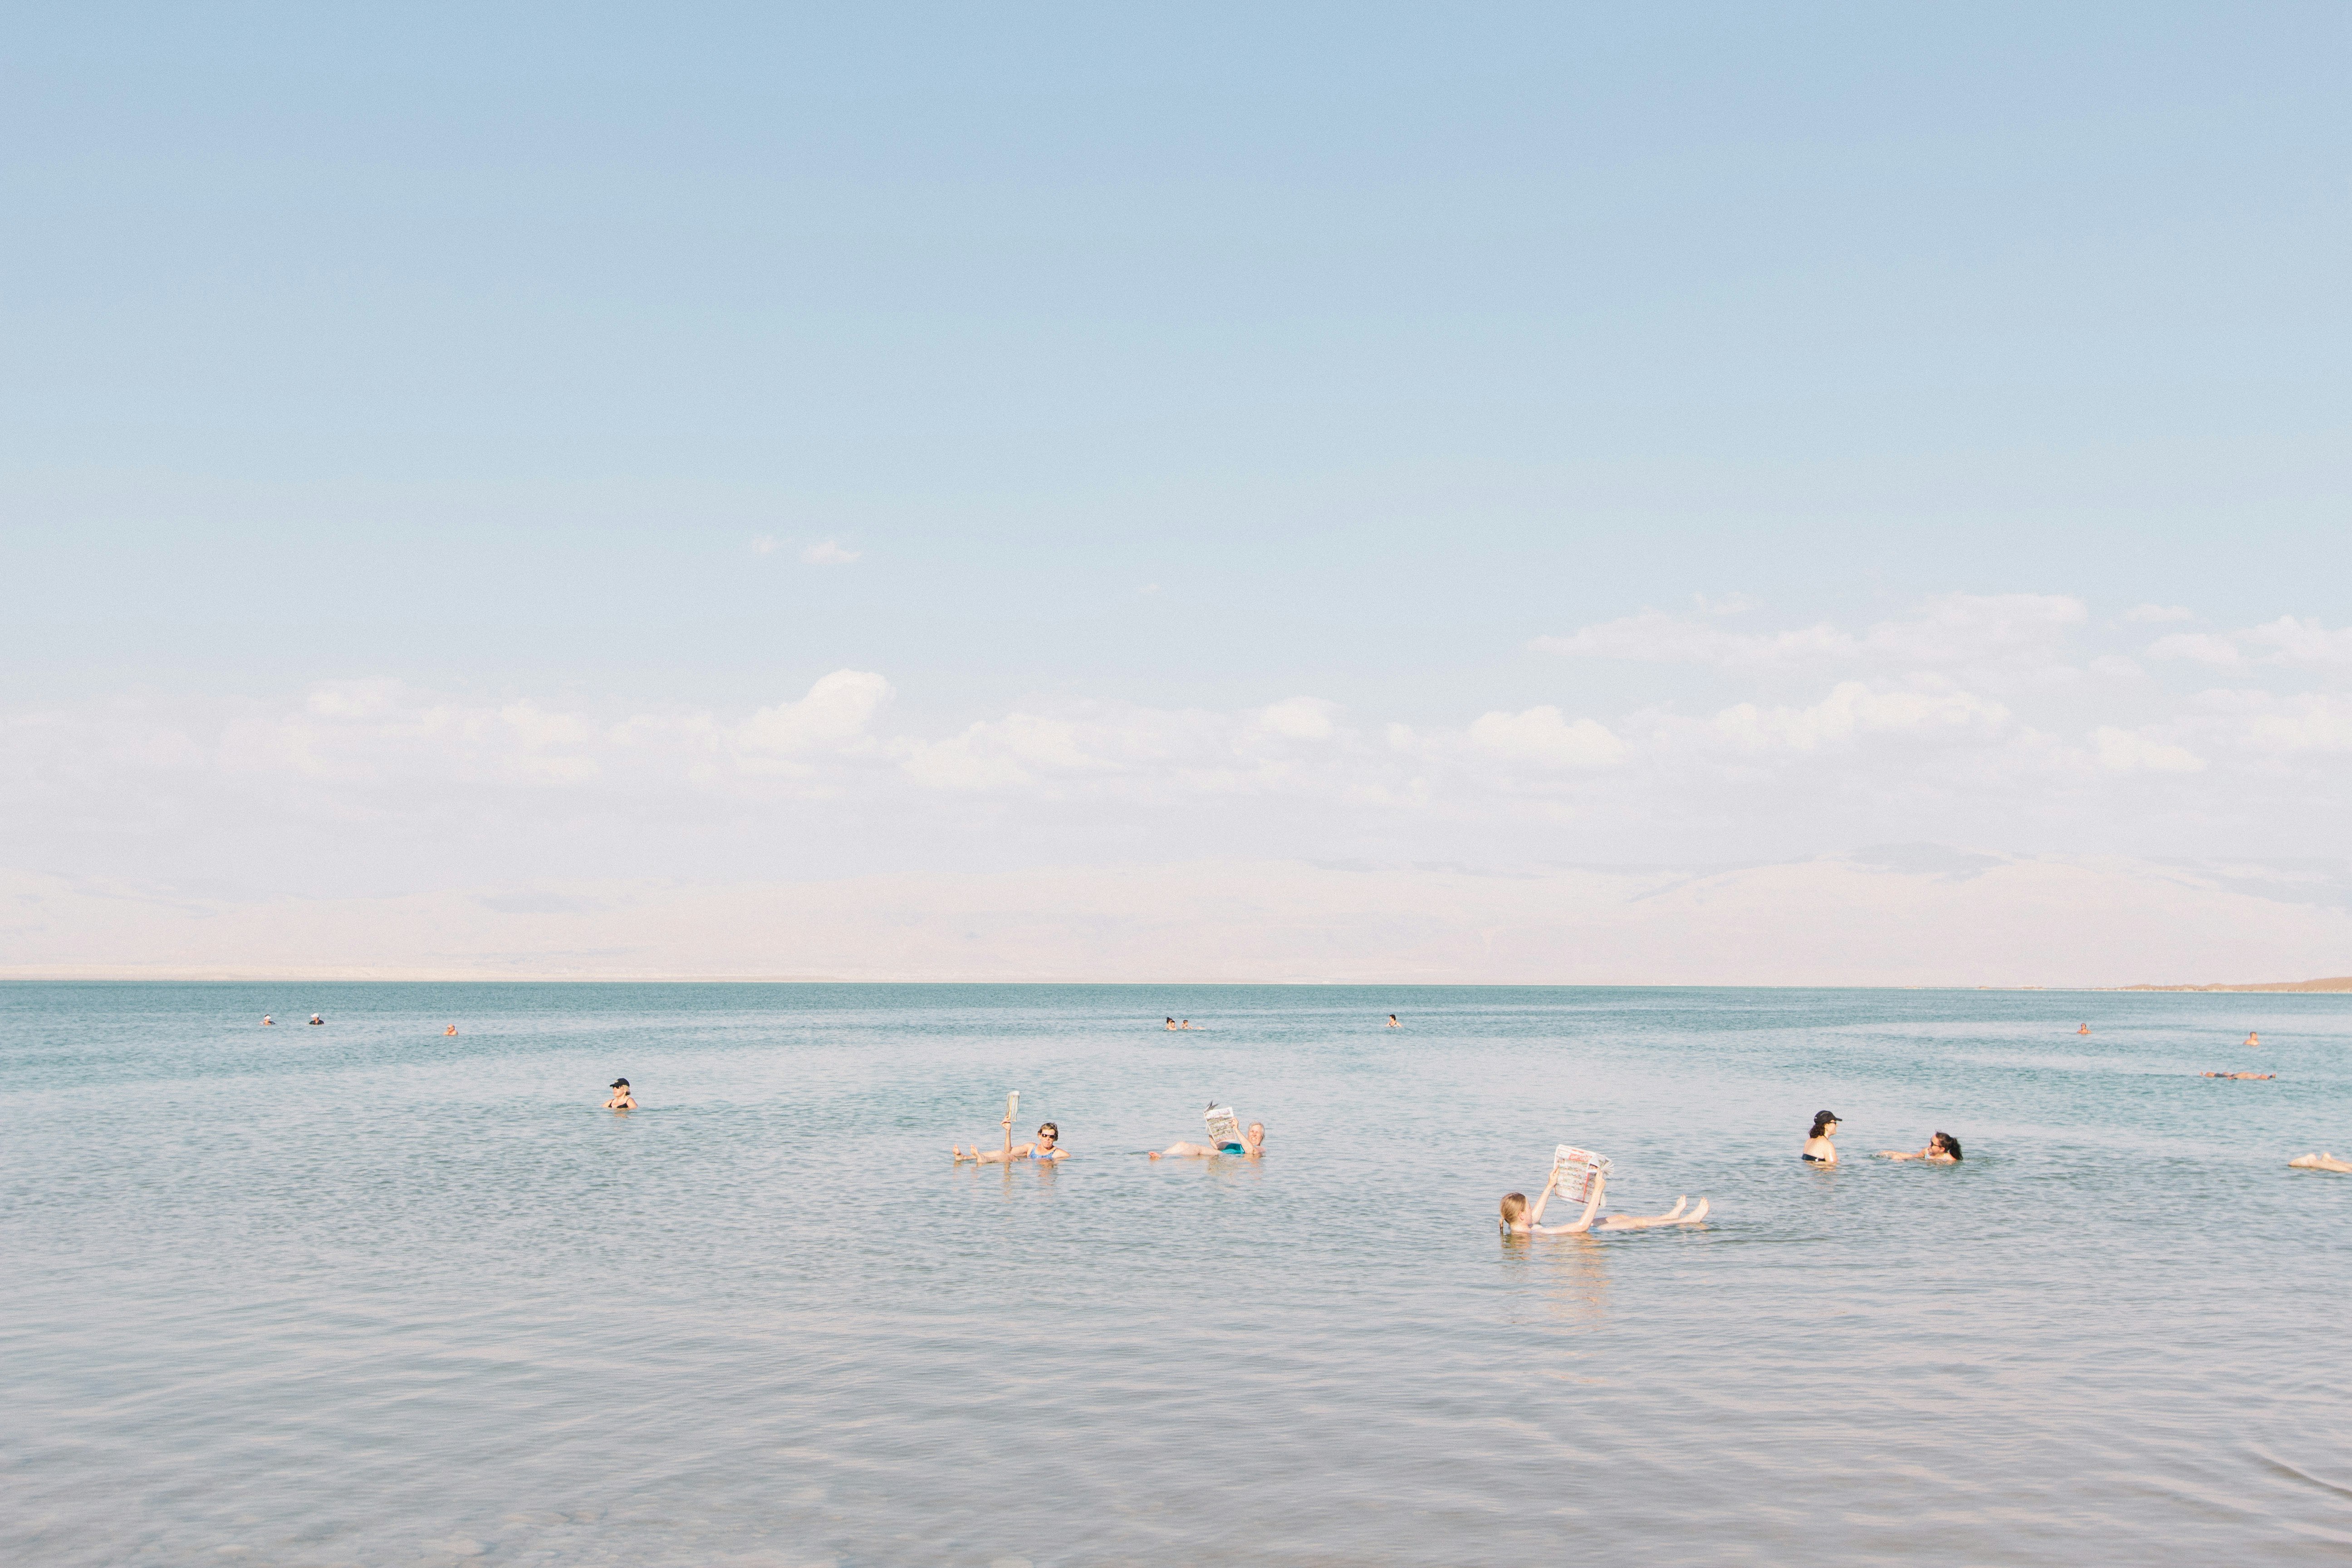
(1535,1215)
(1584,1221)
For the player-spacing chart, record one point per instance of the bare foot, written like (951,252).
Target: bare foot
(1695,1215)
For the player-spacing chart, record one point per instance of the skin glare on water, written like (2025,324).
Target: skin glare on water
(370,1294)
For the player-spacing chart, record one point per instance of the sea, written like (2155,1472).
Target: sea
(368,1293)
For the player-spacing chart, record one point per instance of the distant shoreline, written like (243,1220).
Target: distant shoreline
(2339,983)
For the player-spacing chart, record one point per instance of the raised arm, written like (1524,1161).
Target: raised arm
(1584,1221)
(1535,1215)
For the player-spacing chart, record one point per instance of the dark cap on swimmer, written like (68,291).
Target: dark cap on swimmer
(619,1083)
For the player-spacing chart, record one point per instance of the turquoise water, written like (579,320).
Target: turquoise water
(366,1294)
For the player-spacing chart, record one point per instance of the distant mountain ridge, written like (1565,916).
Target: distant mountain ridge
(2340,983)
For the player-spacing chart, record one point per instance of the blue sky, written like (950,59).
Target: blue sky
(1194,362)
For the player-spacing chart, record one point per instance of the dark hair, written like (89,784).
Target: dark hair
(1951,1144)
(1046,1127)
(1822,1118)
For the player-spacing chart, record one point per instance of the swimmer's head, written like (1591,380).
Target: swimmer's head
(1946,1142)
(1513,1206)
(1048,1132)
(619,1083)
(1823,1120)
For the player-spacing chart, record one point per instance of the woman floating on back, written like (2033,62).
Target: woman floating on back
(1943,1149)
(1519,1219)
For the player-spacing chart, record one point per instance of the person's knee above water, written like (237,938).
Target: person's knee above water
(1521,1218)
(1045,1150)
(1252,1146)
(2328,1162)
(1943,1149)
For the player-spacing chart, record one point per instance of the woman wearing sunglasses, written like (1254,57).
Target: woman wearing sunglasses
(1045,1150)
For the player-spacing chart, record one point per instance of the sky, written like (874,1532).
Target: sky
(458,453)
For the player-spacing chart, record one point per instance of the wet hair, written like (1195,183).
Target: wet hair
(1513,1206)
(1822,1118)
(1951,1144)
(1046,1127)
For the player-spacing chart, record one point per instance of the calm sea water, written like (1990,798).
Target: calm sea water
(366,1294)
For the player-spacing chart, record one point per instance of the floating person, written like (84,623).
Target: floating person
(2244,1075)
(1943,1149)
(623,1099)
(2084,1030)
(267,1022)
(316,1019)
(1226,1136)
(1819,1150)
(1172,1023)
(2319,1163)
(2254,1039)
(450,1030)
(1045,1150)
(1519,1219)
(1392,1023)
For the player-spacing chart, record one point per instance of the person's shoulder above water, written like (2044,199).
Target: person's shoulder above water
(1819,1149)
(1942,1149)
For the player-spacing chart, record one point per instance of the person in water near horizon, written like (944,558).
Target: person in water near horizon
(2319,1163)
(1519,1219)
(2254,1039)
(622,1099)
(2257,1076)
(1172,1023)
(268,1022)
(316,1019)
(1819,1150)
(1392,1023)
(1252,1146)
(1046,1150)
(2084,1030)
(1943,1149)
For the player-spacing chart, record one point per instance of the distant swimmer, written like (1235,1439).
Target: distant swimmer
(2319,1163)
(1252,1146)
(267,1021)
(1819,1150)
(2254,1039)
(2245,1075)
(1518,1219)
(1172,1023)
(316,1019)
(622,1099)
(1943,1149)
(1045,1150)
(450,1030)
(1392,1023)
(2084,1030)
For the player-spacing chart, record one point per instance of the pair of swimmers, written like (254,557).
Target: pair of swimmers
(1821,1149)
(1187,1024)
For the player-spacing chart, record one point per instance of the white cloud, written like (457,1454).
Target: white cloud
(1300,718)
(2202,648)
(2310,722)
(2293,641)
(2132,750)
(764,545)
(1853,709)
(1542,736)
(2148,613)
(829,552)
(1950,629)
(835,712)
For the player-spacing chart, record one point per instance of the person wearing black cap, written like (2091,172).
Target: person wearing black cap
(622,1099)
